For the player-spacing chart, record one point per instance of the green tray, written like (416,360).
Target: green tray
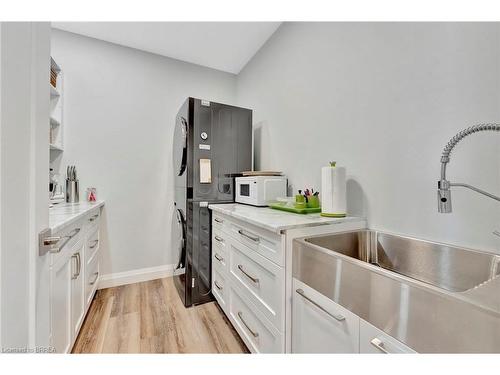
(282,207)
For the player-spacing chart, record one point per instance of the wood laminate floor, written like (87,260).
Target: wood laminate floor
(149,317)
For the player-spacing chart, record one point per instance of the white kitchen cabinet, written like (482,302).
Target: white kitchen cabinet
(91,278)
(219,289)
(77,290)
(261,278)
(319,325)
(74,275)
(258,333)
(60,306)
(373,340)
(252,269)
(248,282)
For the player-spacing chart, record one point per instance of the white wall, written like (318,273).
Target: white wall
(24,157)
(383,99)
(119,112)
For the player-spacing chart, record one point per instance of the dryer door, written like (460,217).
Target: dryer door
(180,146)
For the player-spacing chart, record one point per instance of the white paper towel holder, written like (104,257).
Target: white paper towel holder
(333,205)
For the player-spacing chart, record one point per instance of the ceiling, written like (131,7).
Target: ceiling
(225,46)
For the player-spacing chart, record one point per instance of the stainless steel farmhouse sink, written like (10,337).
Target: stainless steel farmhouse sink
(451,268)
(432,297)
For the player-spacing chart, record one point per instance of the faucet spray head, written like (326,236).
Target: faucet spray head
(444,197)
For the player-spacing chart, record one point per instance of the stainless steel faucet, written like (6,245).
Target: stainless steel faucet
(444,193)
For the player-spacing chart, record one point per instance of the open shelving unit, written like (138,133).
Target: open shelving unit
(56,136)
(56,133)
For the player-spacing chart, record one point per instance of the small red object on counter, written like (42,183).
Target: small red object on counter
(91,194)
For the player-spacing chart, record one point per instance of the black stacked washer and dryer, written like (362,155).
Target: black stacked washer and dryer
(212,145)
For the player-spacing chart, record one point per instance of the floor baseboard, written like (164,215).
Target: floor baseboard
(135,276)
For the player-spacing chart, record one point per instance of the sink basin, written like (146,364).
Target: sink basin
(447,267)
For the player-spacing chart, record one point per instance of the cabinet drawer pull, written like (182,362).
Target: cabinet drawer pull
(94,244)
(79,259)
(219,258)
(219,221)
(58,249)
(217,285)
(249,236)
(379,344)
(94,217)
(96,274)
(75,274)
(218,239)
(339,318)
(254,279)
(254,334)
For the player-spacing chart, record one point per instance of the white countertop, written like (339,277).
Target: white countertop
(63,214)
(275,220)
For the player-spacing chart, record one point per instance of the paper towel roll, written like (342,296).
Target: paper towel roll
(333,191)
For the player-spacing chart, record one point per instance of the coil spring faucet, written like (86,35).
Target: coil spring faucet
(444,193)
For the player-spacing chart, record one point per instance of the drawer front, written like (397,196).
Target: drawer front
(220,244)
(93,219)
(264,242)
(373,340)
(92,245)
(219,289)
(261,278)
(91,278)
(257,332)
(219,222)
(320,325)
(69,237)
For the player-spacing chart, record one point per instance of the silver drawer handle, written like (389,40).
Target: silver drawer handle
(96,274)
(217,238)
(219,221)
(339,318)
(219,258)
(218,286)
(78,265)
(95,244)
(53,240)
(379,344)
(254,279)
(94,217)
(254,334)
(249,236)
(79,259)
(75,274)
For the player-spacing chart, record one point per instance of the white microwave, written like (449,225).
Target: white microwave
(260,190)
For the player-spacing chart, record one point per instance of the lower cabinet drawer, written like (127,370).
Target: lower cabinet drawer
(261,278)
(257,332)
(91,278)
(219,250)
(373,340)
(320,325)
(219,289)
(92,244)
(93,219)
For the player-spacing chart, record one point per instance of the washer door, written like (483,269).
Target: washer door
(180,146)
(179,239)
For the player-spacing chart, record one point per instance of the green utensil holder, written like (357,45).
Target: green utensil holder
(313,201)
(300,201)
